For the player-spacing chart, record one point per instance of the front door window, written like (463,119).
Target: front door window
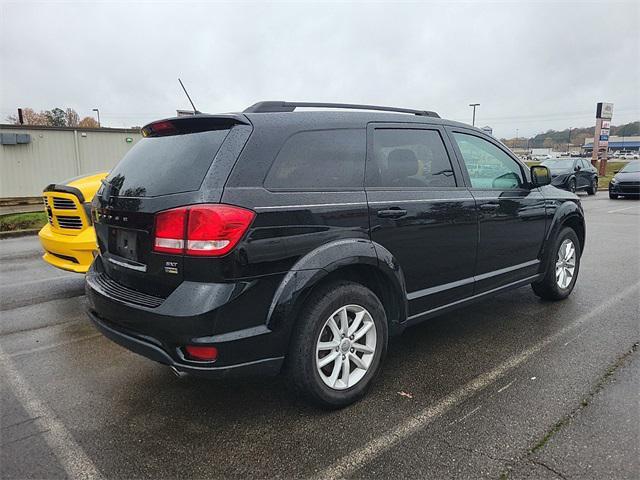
(488,166)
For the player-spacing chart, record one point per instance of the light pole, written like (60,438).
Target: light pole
(98,112)
(569,141)
(474,105)
(517,130)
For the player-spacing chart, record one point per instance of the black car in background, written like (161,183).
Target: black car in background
(275,240)
(573,174)
(626,182)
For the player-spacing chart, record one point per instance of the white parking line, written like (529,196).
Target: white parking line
(360,457)
(71,456)
(620,209)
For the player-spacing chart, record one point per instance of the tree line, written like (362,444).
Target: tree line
(559,139)
(56,117)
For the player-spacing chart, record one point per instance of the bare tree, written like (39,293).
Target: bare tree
(30,117)
(72,119)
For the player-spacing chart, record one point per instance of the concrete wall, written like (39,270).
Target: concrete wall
(56,154)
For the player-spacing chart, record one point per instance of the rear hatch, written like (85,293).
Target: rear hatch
(180,161)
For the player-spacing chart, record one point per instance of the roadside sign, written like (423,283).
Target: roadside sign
(604,110)
(604,113)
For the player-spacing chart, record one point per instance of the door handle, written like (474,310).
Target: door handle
(393,212)
(489,206)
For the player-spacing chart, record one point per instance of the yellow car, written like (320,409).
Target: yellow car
(68,239)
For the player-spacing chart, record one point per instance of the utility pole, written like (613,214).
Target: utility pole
(517,138)
(569,141)
(98,112)
(474,105)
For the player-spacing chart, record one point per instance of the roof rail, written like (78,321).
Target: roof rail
(277,106)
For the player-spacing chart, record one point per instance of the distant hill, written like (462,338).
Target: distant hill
(558,139)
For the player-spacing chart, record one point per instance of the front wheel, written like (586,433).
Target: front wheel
(572,185)
(338,344)
(613,196)
(562,267)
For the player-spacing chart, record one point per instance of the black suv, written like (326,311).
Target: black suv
(274,240)
(573,174)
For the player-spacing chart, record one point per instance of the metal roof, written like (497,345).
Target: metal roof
(11,126)
(616,145)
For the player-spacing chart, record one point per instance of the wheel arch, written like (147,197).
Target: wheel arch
(354,260)
(568,214)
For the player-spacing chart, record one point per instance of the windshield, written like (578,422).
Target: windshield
(165,165)
(631,167)
(558,164)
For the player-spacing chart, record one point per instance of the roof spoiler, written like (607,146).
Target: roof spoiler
(192,124)
(279,106)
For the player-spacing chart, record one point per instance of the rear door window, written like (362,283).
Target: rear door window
(409,158)
(320,160)
(166,165)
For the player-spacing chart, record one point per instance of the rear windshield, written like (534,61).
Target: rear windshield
(165,165)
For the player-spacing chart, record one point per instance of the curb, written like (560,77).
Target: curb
(19,233)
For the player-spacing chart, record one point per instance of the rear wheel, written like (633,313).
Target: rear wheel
(593,188)
(338,344)
(562,267)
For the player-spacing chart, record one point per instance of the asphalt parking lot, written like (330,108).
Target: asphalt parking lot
(512,387)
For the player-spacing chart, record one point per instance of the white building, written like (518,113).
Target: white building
(32,157)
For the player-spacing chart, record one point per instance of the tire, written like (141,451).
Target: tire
(593,188)
(552,287)
(572,185)
(613,196)
(303,369)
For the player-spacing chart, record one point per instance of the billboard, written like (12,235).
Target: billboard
(604,113)
(604,110)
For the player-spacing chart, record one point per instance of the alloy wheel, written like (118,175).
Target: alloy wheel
(345,347)
(565,263)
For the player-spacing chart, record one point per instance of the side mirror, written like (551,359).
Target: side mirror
(616,171)
(540,176)
(578,168)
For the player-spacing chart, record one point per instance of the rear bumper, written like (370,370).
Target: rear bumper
(144,347)
(68,252)
(230,317)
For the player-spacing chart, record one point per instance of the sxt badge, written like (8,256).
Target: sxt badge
(171,267)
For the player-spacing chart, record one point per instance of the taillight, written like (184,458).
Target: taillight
(201,230)
(170,228)
(159,129)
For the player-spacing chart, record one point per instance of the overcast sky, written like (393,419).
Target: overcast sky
(531,65)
